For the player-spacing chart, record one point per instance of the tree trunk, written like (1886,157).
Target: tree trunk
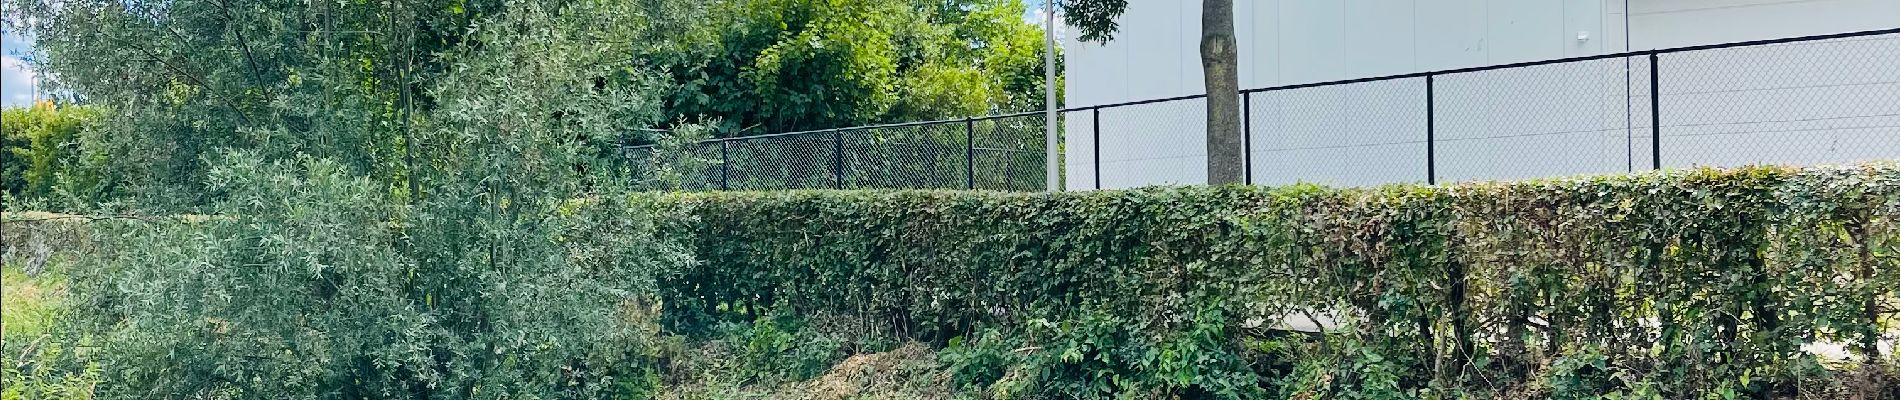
(1220,67)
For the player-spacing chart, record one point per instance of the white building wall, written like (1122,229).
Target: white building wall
(1553,120)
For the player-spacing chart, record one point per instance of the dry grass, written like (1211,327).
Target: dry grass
(909,372)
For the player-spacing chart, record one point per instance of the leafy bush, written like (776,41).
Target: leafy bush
(505,263)
(1105,356)
(31,306)
(307,285)
(767,66)
(1678,284)
(779,348)
(43,158)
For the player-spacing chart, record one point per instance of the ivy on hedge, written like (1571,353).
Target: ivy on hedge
(1677,284)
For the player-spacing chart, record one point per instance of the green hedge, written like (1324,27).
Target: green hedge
(1682,284)
(41,155)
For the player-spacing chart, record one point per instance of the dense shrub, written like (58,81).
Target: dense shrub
(1690,284)
(43,162)
(1680,285)
(306,285)
(507,263)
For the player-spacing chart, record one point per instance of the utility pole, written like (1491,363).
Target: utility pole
(1054,177)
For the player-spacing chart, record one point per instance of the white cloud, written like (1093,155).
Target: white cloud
(17,81)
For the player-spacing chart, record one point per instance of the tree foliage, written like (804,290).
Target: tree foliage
(505,263)
(358,82)
(763,66)
(186,78)
(1095,18)
(43,155)
(349,81)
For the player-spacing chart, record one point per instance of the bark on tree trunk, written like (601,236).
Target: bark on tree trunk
(1219,65)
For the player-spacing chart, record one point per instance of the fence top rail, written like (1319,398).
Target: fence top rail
(870,127)
(1638,53)
(1132,103)
(860,128)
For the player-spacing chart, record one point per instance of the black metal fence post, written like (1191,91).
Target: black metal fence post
(837,160)
(1655,113)
(1097,142)
(1431,130)
(969,153)
(725,165)
(1246,136)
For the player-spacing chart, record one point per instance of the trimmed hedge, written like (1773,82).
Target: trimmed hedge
(1679,284)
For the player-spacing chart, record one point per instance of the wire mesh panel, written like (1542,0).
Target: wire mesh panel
(695,167)
(1078,148)
(638,156)
(1160,143)
(1814,102)
(1009,153)
(930,156)
(705,171)
(807,161)
(1642,117)
(1353,134)
(1538,121)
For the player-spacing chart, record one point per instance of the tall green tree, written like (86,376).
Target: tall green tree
(348,80)
(517,267)
(1220,67)
(187,77)
(762,66)
(352,81)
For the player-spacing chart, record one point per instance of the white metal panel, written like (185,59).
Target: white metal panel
(1312,41)
(1187,45)
(1258,32)
(1379,37)
(1689,6)
(1151,36)
(1615,26)
(1583,23)
(1677,23)
(1451,34)
(1525,30)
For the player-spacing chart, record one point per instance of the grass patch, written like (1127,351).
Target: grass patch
(30,304)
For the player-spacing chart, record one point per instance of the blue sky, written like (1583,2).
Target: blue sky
(16,80)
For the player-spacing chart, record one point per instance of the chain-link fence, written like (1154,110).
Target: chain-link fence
(1004,152)
(1806,100)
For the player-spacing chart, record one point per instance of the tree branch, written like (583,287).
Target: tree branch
(195,80)
(244,44)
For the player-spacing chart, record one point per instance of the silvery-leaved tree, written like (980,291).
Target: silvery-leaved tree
(511,261)
(183,79)
(179,81)
(1219,68)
